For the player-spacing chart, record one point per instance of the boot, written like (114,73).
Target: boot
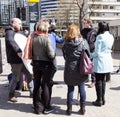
(103,92)
(12,98)
(82,108)
(108,77)
(69,109)
(98,87)
(97,103)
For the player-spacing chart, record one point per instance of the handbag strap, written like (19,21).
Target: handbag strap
(84,48)
(83,45)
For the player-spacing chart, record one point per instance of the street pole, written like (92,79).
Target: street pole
(9,12)
(34,14)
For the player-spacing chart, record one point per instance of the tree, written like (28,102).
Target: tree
(63,14)
(71,11)
(85,9)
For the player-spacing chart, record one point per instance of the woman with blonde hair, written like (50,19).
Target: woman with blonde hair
(71,51)
(42,58)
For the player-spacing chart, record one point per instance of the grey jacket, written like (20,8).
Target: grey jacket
(42,48)
(71,52)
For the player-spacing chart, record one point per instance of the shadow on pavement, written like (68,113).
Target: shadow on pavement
(6,105)
(115,88)
(27,108)
(60,67)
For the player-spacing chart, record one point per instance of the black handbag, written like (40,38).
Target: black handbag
(85,63)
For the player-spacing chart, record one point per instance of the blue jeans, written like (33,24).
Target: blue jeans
(82,93)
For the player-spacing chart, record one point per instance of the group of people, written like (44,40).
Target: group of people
(102,60)
(41,48)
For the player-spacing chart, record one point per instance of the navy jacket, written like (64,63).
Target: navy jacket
(11,47)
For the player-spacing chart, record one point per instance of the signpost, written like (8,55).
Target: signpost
(33,1)
(33,13)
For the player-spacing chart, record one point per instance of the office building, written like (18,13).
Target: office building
(100,9)
(13,8)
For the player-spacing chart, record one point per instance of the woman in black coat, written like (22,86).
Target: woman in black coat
(71,52)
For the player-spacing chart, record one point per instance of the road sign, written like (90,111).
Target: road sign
(33,1)
(34,12)
(34,15)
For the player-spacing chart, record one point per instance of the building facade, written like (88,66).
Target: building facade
(106,10)
(97,9)
(13,8)
(64,12)
(48,5)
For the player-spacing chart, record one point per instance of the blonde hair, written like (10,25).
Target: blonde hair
(43,26)
(73,32)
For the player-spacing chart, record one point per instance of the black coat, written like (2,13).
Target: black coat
(11,47)
(71,52)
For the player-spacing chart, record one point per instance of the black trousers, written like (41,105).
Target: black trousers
(100,86)
(42,87)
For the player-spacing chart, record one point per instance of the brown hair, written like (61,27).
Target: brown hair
(73,32)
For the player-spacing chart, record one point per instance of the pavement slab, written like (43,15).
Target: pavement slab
(23,108)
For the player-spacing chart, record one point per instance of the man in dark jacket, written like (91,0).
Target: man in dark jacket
(89,34)
(14,55)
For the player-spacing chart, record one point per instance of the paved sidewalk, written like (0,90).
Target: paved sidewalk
(23,108)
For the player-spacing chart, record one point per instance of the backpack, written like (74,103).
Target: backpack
(91,38)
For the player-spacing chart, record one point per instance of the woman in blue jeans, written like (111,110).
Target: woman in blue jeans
(71,51)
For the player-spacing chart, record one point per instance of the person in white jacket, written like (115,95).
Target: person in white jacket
(102,60)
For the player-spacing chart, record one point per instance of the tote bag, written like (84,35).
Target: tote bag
(86,65)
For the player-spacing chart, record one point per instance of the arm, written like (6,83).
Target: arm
(11,41)
(87,47)
(63,50)
(58,39)
(50,51)
(97,47)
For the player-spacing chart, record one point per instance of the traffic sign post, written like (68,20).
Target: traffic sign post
(33,1)
(33,14)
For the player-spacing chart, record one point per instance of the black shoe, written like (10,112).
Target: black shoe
(82,111)
(103,103)
(48,110)
(36,112)
(97,103)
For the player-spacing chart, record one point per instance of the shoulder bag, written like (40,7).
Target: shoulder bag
(85,64)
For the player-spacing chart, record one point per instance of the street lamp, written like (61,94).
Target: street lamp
(9,13)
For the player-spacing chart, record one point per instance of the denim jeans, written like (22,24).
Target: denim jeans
(82,93)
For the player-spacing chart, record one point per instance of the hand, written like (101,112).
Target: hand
(19,54)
